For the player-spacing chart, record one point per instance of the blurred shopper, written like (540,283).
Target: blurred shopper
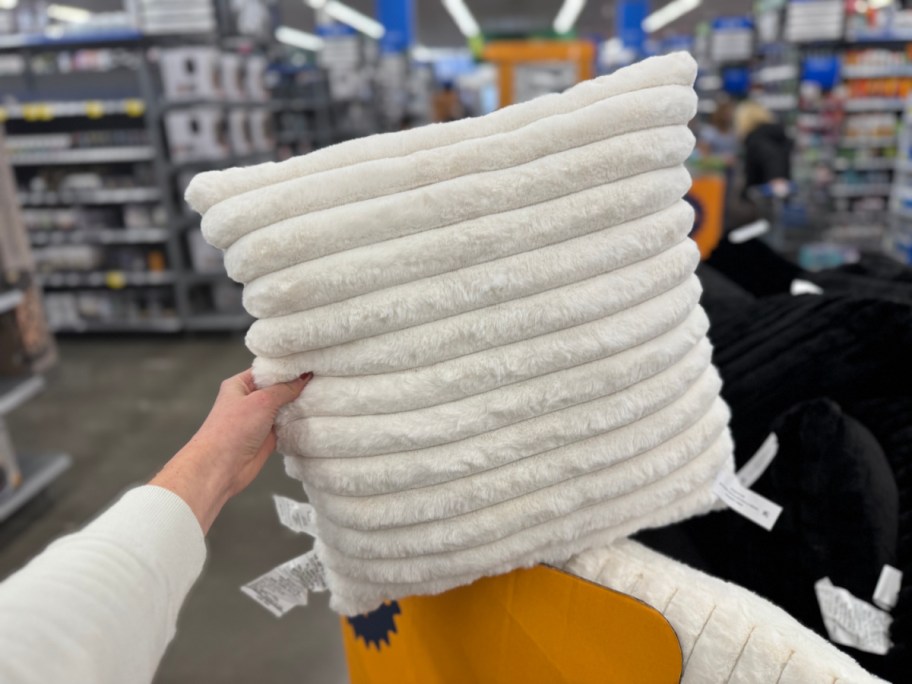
(767,149)
(447,106)
(717,137)
(100,606)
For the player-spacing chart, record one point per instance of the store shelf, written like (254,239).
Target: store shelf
(774,74)
(71,41)
(99,236)
(214,322)
(10,300)
(114,280)
(876,164)
(778,102)
(151,325)
(96,155)
(221,163)
(38,471)
(875,104)
(100,196)
(93,109)
(860,190)
(16,391)
(855,72)
(886,141)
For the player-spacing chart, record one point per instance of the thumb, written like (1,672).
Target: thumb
(285,392)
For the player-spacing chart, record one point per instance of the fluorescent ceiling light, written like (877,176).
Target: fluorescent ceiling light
(8,4)
(69,14)
(354,18)
(350,17)
(298,39)
(463,17)
(567,15)
(673,11)
(879,4)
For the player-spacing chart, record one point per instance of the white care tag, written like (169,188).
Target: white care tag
(886,594)
(749,231)
(802,287)
(287,586)
(851,621)
(751,471)
(295,515)
(743,501)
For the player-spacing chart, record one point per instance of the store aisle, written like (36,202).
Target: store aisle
(121,408)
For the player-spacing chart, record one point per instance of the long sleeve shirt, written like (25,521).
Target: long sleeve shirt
(100,606)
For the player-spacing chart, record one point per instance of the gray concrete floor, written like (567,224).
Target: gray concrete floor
(121,408)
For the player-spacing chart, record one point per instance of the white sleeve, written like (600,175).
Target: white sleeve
(100,606)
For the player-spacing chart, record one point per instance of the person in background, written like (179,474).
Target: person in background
(100,606)
(717,137)
(447,106)
(767,148)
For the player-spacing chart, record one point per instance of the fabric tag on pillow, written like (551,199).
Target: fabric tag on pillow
(743,501)
(288,585)
(852,622)
(886,594)
(753,470)
(295,515)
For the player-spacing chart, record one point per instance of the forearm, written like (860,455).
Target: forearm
(101,605)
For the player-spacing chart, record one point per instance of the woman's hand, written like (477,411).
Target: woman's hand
(231,446)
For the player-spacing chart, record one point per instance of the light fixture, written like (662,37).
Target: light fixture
(68,14)
(8,4)
(567,15)
(358,21)
(298,39)
(665,15)
(350,17)
(879,4)
(463,17)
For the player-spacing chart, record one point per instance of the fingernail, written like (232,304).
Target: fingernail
(306,376)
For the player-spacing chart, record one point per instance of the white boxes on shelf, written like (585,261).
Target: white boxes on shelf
(196,133)
(233,77)
(239,132)
(262,135)
(191,73)
(255,78)
(173,16)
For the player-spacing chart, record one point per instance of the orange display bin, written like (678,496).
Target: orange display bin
(531,625)
(707,196)
(506,54)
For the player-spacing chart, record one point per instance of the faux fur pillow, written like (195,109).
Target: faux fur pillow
(511,363)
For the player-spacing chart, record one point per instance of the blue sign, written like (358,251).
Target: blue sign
(821,69)
(335,29)
(398,18)
(629,17)
(736,80)
(732,23)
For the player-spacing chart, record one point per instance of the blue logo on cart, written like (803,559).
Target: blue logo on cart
(698,213)
(377,625)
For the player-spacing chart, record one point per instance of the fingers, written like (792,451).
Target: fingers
(240,385)
(286,392)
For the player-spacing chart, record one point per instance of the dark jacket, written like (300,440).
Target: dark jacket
(767,155)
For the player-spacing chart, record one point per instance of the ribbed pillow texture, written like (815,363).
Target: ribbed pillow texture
(511,363)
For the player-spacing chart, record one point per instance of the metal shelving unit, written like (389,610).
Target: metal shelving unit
(33,472)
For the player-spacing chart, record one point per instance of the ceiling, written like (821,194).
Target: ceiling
(436,28)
